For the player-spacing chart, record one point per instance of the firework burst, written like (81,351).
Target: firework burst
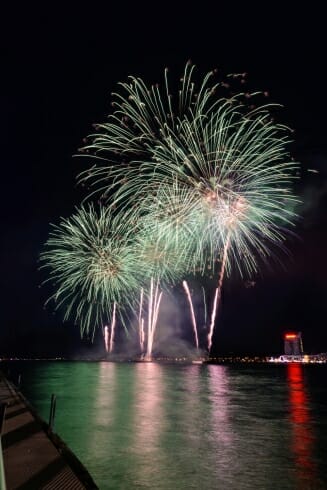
(207,176)
(93,266)
(221,153)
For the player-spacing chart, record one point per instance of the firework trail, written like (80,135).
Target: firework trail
(112,330)
(157,301)
(150,331)
(106,338)
(213,318)
(188,294)
(204,305)
(142,335)
(217,297)
(163,265)
(141,323)
(153,311)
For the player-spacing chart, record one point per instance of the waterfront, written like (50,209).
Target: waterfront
(166,426)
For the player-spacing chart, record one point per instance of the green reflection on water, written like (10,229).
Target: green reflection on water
(154,426)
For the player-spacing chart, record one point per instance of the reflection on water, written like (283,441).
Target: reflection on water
(163,427)
(149,423)
(220,416)
(302,431)
(149,409)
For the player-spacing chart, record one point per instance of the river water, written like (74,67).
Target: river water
(168,426)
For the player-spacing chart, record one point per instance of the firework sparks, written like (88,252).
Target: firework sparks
(188,294)
(112,329)
(106,338)
(93,266)
(203,177)
(217,298)
(141,323)
(213,318)
(223,153)
(153,307)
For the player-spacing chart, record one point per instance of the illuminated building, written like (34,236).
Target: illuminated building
(293,344)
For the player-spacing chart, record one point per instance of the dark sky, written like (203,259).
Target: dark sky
(59,68)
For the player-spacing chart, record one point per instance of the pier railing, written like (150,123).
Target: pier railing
(2,468)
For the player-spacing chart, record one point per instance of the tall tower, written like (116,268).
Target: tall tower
(293,344)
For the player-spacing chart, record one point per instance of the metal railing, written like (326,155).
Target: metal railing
(3,486)
(52,412)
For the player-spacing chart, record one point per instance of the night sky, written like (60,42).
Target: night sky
(59,68)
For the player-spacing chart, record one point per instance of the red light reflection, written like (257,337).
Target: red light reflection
(303,438)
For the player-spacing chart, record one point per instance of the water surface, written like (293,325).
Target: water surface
(159,426)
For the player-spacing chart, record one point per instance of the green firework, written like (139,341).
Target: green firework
(224,154)
(93,264)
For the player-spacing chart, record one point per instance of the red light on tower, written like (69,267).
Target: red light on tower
(293,344)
